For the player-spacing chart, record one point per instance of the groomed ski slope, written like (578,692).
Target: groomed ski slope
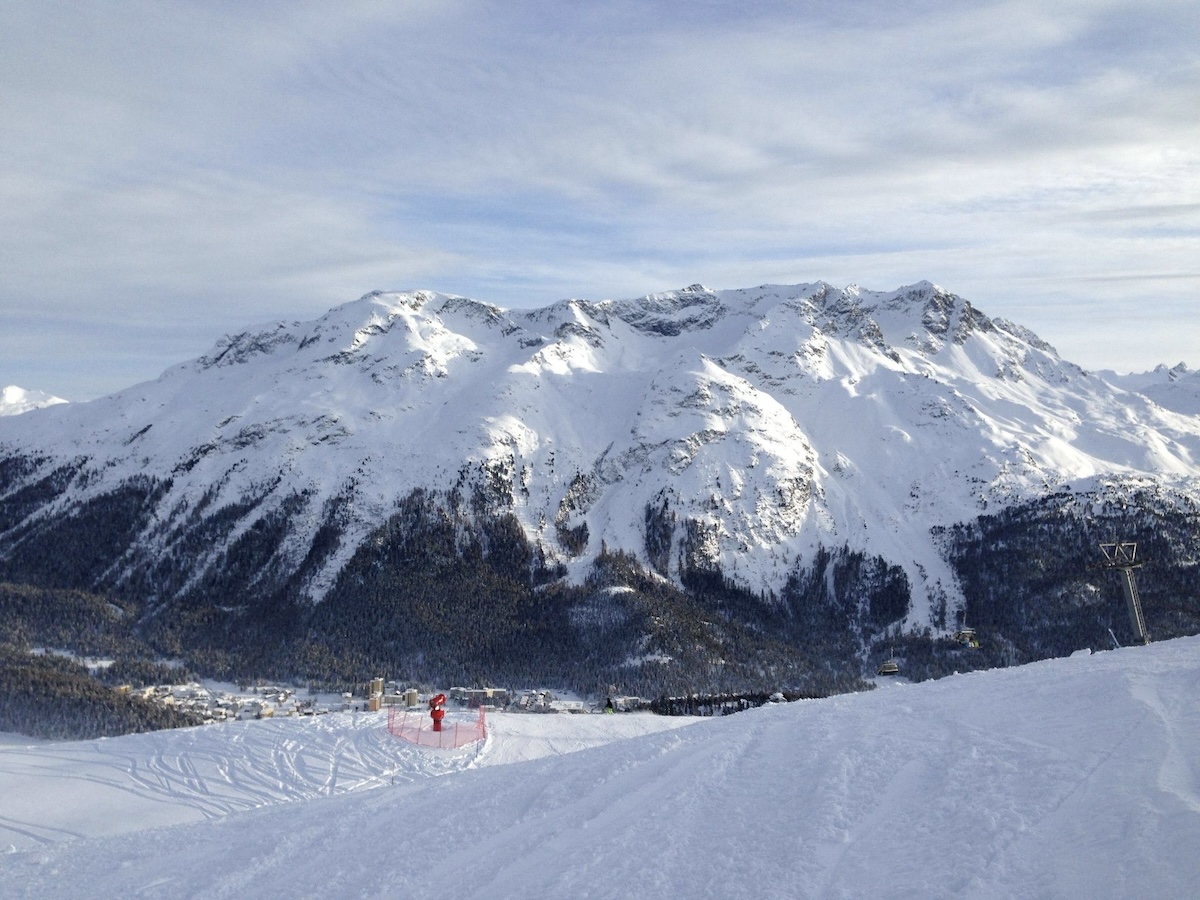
(58,791)
(1074,777)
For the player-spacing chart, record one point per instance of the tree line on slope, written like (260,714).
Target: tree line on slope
(49,696)
(46,694)
(1036,582)
(449,589)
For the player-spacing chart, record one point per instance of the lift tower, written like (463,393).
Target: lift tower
(1122,557)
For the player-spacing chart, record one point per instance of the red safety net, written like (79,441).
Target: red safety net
(416,727)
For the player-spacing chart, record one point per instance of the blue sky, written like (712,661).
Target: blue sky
(174,171)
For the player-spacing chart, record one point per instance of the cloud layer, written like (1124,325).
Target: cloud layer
(175,171)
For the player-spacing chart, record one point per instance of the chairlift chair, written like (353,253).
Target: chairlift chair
(966,637)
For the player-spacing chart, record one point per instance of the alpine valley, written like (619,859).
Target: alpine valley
(701,491)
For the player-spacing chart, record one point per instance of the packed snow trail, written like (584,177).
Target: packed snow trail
(1070,777)
(108,786)
(51,791)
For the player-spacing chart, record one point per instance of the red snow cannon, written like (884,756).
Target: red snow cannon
(437,711)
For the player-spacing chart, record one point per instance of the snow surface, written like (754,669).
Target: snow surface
(61,790)
(1075,777)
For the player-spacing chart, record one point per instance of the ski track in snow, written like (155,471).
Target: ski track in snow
(198,773)
(1066,778)
(202,773)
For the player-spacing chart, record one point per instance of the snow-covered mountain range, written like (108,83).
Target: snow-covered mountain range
(1176,388)
(760,423)
(15,400)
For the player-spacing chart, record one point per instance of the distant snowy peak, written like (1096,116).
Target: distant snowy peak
(15,400)
(1160,374)
(1176,388)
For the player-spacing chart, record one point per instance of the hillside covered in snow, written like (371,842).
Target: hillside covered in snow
(671,478)
(1071,777)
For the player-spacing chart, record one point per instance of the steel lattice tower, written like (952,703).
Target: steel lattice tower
(1123,556)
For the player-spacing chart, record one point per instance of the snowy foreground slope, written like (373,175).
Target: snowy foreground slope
(1074,777)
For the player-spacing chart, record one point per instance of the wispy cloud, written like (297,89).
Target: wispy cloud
(185,169)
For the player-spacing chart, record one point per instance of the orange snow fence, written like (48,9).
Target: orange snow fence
(416,727)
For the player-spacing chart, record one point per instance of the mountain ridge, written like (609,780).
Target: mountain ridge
(747,429)
(854,335)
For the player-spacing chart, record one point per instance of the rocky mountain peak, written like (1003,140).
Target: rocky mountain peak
(775,419)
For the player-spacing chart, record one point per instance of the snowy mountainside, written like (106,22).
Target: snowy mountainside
(15,400)
(762,423)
